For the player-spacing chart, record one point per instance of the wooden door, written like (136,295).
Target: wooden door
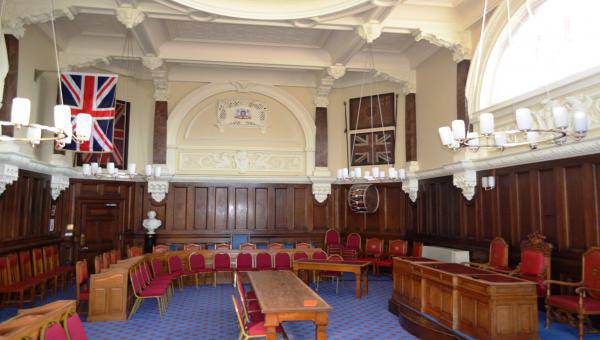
(100,229)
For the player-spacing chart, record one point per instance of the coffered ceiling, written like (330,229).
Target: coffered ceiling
(281,41)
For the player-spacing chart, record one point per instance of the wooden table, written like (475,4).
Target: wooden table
(281,296)
(480,303)
(357,267)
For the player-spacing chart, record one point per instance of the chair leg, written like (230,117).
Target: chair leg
(337,285)
(547,316)
(160,310)
(581,328)
(196,276)
(135,307)
(215,279)
(317,279)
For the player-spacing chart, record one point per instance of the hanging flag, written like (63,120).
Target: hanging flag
(120,141)
(93,94)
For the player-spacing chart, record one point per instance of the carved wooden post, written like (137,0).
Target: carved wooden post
(321,137)
(410,109)
(159,154)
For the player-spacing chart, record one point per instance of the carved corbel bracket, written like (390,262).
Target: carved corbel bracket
(321,187)
(58,183)
(411,186)
(130,17)
(466,181)
(8,174)
(158,190)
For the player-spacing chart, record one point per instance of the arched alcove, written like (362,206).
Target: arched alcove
(196,145)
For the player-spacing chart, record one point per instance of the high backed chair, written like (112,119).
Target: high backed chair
(247,246)
(176,267)
(535,261)
(222,264)
(198,266)
(264,261)
(160,248)
(373,251)
(333,245)
(82,292)
(192,246)
(27,273)
(585,303)
(283,261)
(10,283)
(222,246)
(352,247)
(303,245)
(498,256)
(275,246)
(417,249)
(134,251)
(396,248)
(39,270)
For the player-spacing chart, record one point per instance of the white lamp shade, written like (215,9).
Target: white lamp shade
(352,174)
(367,174)
(62,117)
(345,173)
(533,137)
(83,126)
(486,123)
(339,174)
(473,139)
(561,119)
(523,117)
(492,181)
(484,182)
(131,168)
(580,121)
(458,129)
(157,171)
(20,111)
(401,174)
(86,169)
(375,171)
(95,168)
(358,172)
(110,168)
(446,136)
(148,170)
(500,139)
(382,174)
(34,134)
(392,172)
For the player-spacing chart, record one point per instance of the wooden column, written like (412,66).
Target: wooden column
(462,72)
(410,132)
(10,82)
(159,153)
(321,137)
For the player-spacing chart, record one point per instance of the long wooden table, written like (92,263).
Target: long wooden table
(282,295)
(476,302)
(358,268)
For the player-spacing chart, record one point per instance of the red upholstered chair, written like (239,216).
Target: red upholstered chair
(134,251)
(319,255)
(330,274)
(247,246)
(244,262)
(353,246)
(176,267)
(417,249)
(52,264)
(248,295)
(535,261)
(275,246)
(498,256)
(222,264)
(396,248)
(333,245)
(264,261)
(283,261)
(74,327)
(192,247)
(223,246)
(53,331)
(159,272)
(585,303)
(198,266)
(303,245)
(300,255)
(161,248)
(250,329)
(374,251)
(250,306)
(27,273)
(39,270)
(82,292)
(142,293)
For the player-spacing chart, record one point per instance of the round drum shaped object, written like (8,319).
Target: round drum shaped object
(363,198)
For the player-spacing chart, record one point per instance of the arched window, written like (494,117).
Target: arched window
(559,41)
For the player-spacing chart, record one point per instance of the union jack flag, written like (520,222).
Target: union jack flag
(120,141)
(372,148)
(93,94)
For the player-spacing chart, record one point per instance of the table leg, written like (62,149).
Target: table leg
(321,332)
(358,290)
(366,282)
(321,321)
(271,333)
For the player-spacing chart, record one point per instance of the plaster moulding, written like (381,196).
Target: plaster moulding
(411,187)
(8,174)
(321,187)
(130,17)
(329,76)
(370,31)
(466,181)
(71,60)
(158,190)
(458,44)
(152,63)
(58,183)
(18,14)
(241,113)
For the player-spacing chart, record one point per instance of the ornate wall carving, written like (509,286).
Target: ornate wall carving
(228,162)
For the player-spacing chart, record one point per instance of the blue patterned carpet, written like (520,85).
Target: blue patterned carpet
(207,313)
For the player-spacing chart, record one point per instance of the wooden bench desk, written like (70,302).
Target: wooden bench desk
(28,323)
(281,296)
(357,267)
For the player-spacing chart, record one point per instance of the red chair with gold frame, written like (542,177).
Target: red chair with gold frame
(198,266)
(247,246)
(175,265)
(134,251)
(535,261)
(222,264)
(396,248)
(576,309)
(275,246)
(222,246)
(333,245)
(82,292)
(264,261)
(417,249)
(192,247)
(250,329)
(353,246)
(303,245)
(283,261)
(373,251)
(160,248)
(39,270)
(53,331)
(333,275)
(497,258)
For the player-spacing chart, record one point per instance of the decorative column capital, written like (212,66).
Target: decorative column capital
(8,174)
(466,181)
(336,71)
(130,17)
(369,31)
(152,63)
(410,186)
(158,189)
(58,183)
(321,187)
